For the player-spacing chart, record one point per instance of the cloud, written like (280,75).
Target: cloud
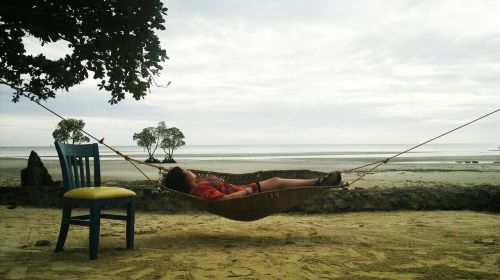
(312,72)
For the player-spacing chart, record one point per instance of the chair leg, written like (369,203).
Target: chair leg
(130,224)
(95,223)
(63,231)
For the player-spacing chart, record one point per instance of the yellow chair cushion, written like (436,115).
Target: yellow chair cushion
(98,193)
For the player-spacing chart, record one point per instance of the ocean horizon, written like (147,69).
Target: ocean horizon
(275,151)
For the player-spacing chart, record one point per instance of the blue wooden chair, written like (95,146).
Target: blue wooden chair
(81,192)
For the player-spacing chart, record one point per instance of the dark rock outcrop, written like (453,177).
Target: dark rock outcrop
(443,197)
(438,197)
(36,174)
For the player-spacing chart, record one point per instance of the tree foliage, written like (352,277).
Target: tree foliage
(147,139)
(173,138)
(112,40)
(169,139)
(70,129)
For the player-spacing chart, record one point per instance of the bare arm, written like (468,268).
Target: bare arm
(246,191)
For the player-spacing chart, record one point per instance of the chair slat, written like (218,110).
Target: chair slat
(97,168)
(82,174)
(87,172)
(69,170)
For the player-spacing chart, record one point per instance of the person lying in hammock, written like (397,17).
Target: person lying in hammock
(214,188)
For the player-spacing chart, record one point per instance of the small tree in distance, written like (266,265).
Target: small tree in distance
(169,139)
(172,139)
(147,138)
(70,129)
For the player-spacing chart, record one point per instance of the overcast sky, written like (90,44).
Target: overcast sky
(299,72)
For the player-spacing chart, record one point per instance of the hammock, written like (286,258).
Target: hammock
(259,205)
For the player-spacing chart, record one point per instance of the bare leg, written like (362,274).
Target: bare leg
(280,183)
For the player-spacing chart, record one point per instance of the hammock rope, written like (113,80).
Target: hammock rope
(385,161)
(346,184)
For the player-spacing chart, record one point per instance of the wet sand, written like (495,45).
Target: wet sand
(380,245)
(405,172)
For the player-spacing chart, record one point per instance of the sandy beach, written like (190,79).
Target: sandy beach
(365,245)
(380,245)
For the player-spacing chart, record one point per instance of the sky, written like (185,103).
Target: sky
(298,72)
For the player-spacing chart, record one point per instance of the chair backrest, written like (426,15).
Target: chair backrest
(75,164)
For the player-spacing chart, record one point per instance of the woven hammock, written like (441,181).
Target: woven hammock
(255,206)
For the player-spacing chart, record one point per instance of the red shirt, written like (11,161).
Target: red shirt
(213,188)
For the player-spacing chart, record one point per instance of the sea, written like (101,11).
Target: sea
(298,151)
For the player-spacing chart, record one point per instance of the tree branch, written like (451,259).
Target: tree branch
(154,80)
